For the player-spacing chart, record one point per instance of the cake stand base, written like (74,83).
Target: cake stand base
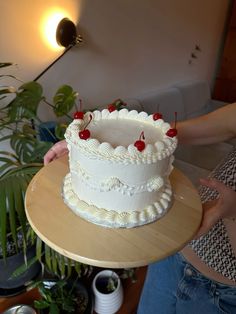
(72,236)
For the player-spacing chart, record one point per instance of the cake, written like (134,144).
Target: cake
(119,170)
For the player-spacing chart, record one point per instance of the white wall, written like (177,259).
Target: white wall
(130,46)
(21,33)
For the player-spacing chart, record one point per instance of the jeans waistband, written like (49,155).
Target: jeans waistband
(199,276)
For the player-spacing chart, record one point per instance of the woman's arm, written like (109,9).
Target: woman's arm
(216,126)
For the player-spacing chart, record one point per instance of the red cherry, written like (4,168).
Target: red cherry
(111,108)
(78,115)
(139,144)
(84,134)
(171,132)
(157,116)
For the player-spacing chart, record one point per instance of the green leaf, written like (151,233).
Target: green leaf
(23,268)
(61,265)
(31,235)
(54,261)
(18,186)
(39,252)
(41,304)
(77,267)
(64,100)
(9,192)
(48,257)
(13,184)
(69,267)
(25,104)
(5,138)
(3,220)
(27,129)
(22,171)
(54,309)
(28,148)
(60,130)
(13,156)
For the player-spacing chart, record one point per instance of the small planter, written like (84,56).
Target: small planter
(105,301)
(66,296)
(13,262)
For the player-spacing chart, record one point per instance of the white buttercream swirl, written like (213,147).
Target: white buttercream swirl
(153,152)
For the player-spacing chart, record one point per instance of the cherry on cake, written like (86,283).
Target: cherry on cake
(119,172)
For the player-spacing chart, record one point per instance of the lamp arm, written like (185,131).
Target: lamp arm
(50,65)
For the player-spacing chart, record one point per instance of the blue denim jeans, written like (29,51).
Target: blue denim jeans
(173,286)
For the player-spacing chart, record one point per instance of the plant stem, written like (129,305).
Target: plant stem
(50,105)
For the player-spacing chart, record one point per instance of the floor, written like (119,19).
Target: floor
(132,293)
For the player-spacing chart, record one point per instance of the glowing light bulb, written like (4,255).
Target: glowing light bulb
(49,27)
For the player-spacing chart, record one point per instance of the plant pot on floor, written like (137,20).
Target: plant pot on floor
(12,263)
(108,292)
(63,297)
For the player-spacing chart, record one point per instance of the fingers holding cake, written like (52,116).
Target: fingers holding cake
(56,151)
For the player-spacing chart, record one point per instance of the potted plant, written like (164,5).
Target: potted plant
(63,296)
(108,292)
(19,117)
(20,123)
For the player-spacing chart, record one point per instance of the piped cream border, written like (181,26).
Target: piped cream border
(94,149)
(113,219)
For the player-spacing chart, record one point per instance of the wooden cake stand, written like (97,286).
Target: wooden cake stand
(91,244)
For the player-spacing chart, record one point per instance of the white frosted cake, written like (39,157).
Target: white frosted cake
(117,178)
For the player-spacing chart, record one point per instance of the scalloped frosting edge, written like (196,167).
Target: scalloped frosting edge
(93,148)
(113,219)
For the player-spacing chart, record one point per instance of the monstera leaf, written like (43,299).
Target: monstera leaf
(64,100)
(25,104)
(27,147)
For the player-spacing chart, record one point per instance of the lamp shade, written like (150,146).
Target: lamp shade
(66,33)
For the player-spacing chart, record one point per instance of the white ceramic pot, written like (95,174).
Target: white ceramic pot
(107,303)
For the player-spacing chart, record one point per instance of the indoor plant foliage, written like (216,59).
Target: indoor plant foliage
(62,297)
(19,123)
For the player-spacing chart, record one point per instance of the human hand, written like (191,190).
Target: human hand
(222,207)
(56,151)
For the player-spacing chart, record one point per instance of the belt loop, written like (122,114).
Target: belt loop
(212,289)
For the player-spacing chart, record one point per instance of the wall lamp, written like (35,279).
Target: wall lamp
(67,37)
(66,34)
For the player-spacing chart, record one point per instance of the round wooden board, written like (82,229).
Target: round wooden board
(91,244)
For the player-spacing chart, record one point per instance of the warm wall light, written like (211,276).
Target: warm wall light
(61,32)
(58,29)
(49,27)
